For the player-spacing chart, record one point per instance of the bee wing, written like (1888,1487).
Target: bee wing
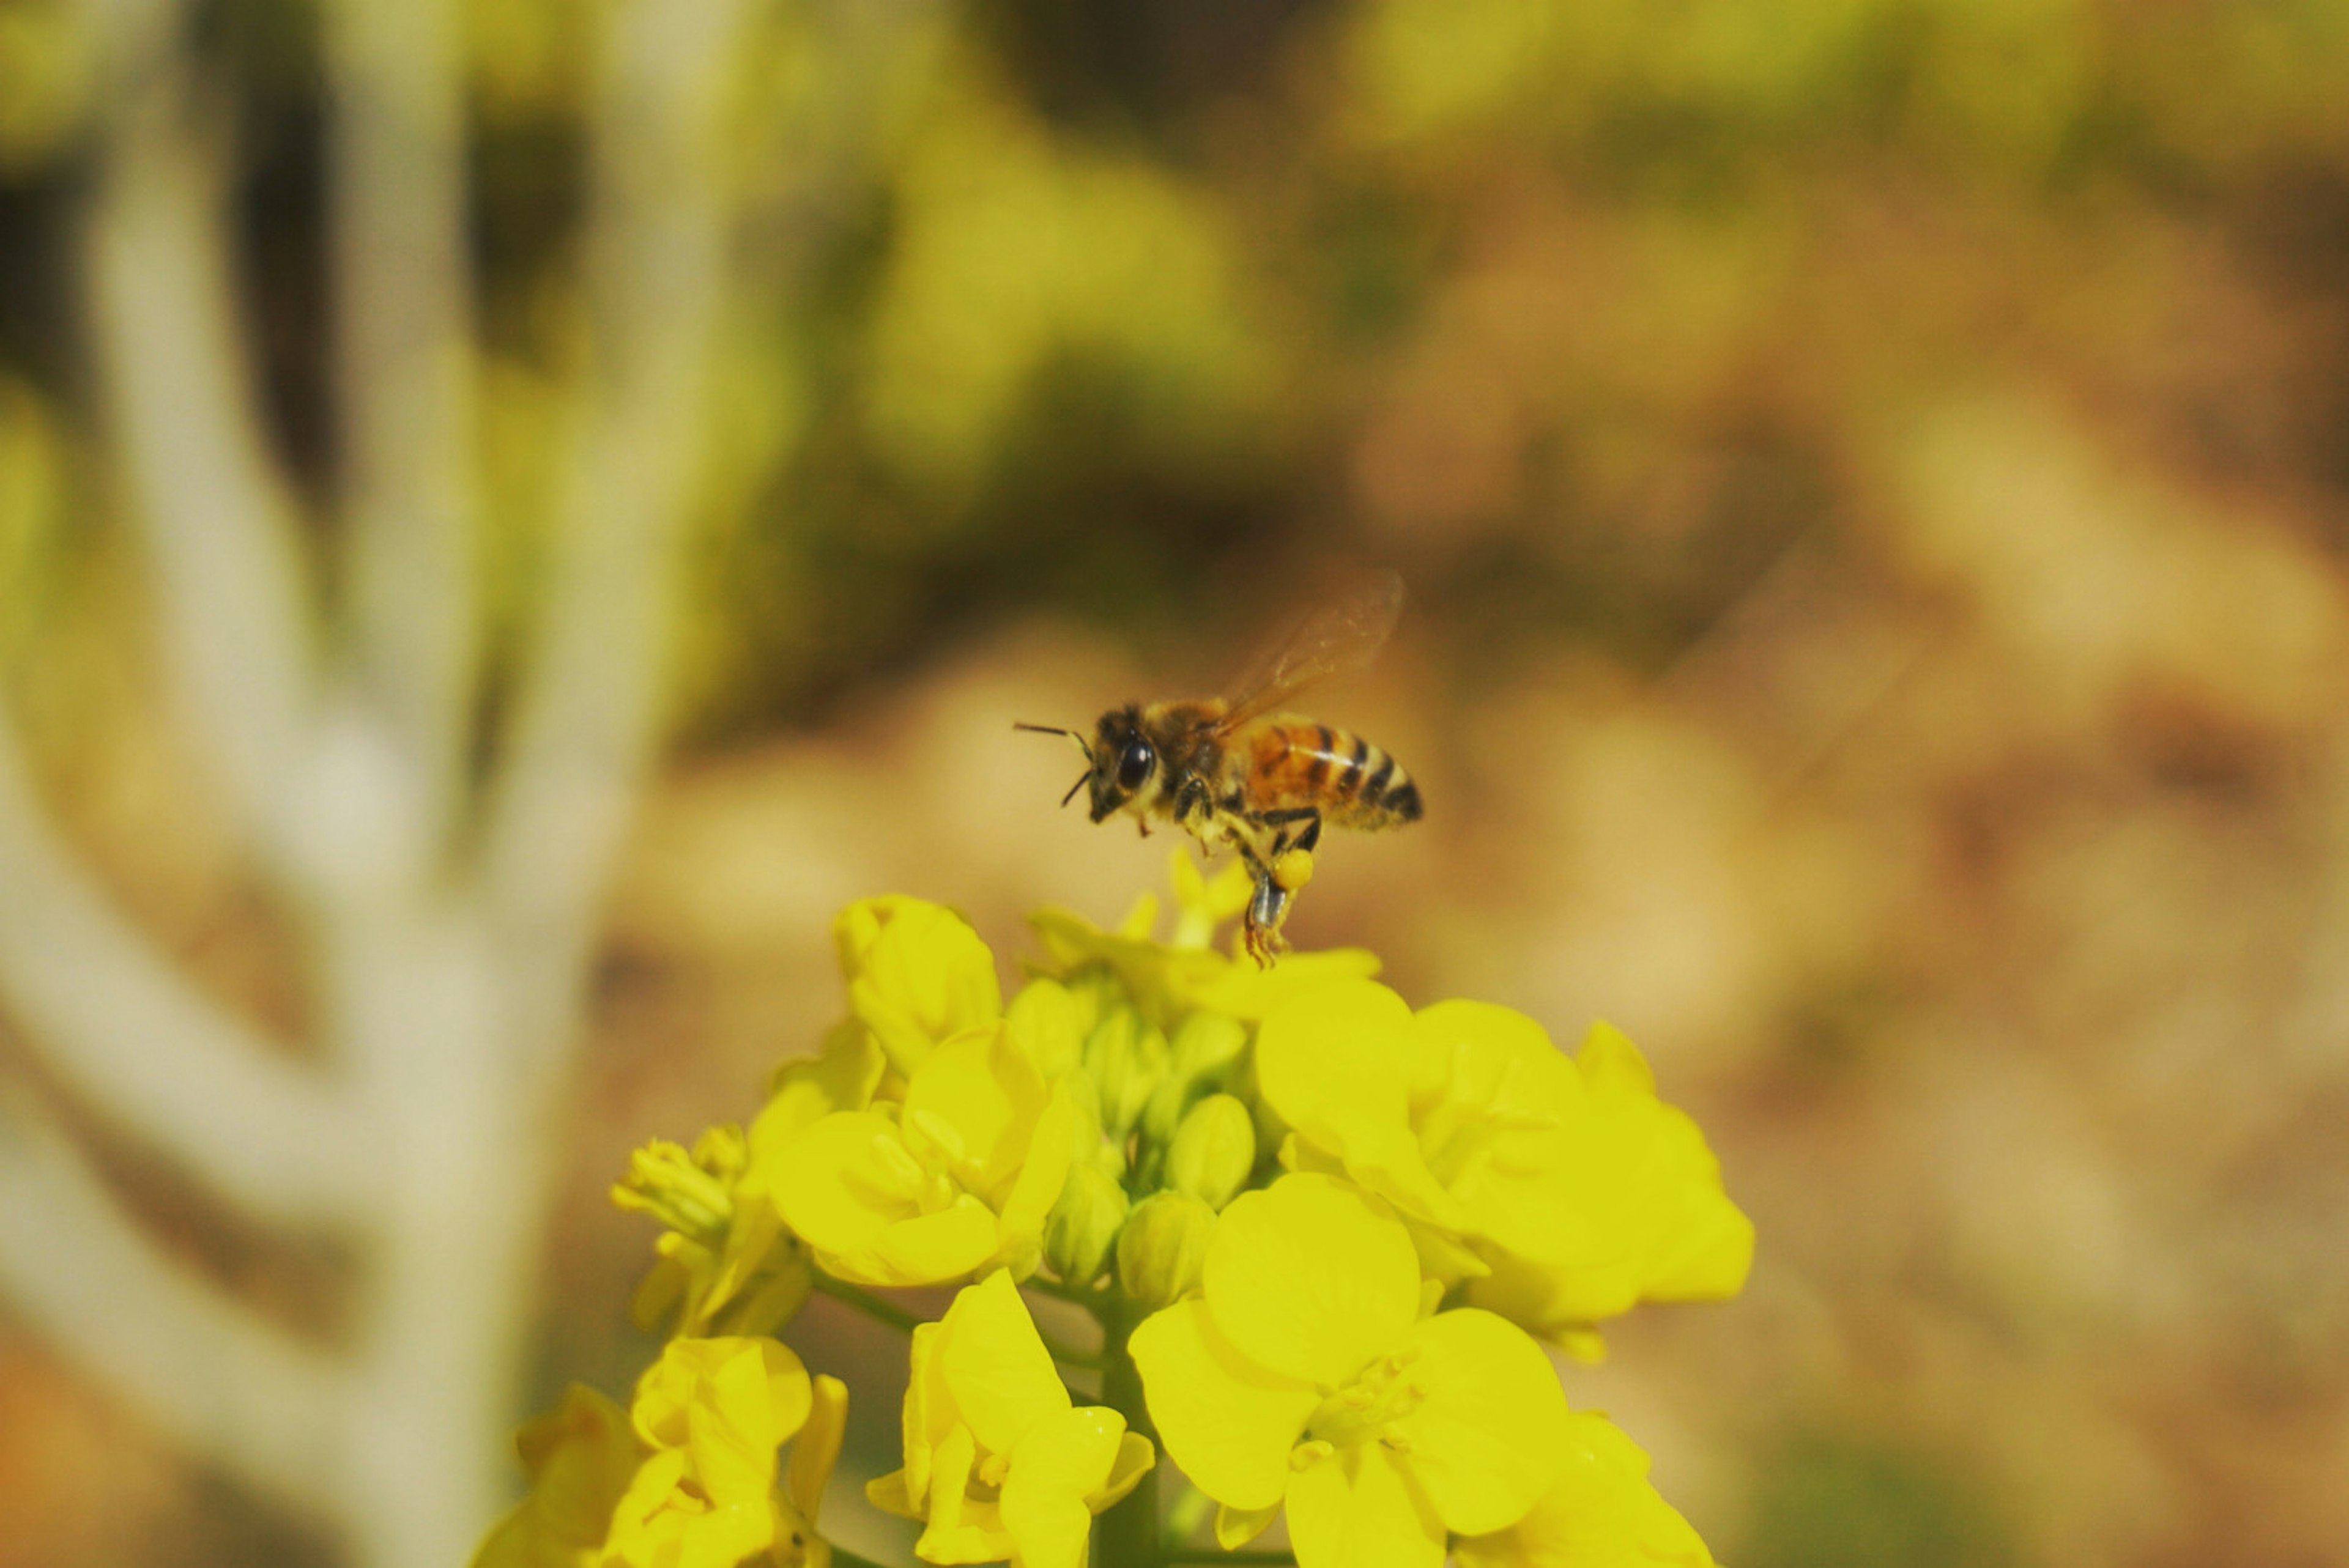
(1343,633)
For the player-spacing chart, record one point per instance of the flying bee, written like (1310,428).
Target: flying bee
(1230,770)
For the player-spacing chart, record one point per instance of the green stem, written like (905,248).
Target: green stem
(842,1557)
(865,1301)
(1128,1533)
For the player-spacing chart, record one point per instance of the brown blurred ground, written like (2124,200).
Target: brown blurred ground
(1870,479)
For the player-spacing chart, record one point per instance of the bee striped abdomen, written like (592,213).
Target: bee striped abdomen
(1351,782)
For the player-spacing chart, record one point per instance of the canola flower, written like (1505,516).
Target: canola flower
(1310,1257)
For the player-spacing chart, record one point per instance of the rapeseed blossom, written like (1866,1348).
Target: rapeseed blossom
(1308,1370)
(688,1477)
(1558,1190)
(1319,1237)
(1000,1463)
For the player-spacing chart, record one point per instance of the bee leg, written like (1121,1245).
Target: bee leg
(1191,809)
(1266,912)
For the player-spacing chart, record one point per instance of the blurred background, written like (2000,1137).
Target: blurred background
(1872,478)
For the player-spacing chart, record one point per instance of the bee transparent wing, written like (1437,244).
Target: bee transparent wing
(1342,635)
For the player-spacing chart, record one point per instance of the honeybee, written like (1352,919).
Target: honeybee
(1229,770)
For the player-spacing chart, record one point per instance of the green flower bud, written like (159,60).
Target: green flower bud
(1127,1059)
(1085,1224)
(1047,1025)
(1199,1060)
(1213,1152)
(1164,1248)
(1205,1046)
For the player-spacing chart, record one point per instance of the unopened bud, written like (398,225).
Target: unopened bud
(1164,1248)
(1200,1058)
(1084,1225)
(1213,1152)
(1045,1025)
(1127,1059)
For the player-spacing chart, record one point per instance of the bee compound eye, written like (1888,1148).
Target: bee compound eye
(1133,765)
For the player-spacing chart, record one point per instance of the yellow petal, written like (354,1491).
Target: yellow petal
(840,1076)
(1489,1437)
(1353,1510)
(1311,1279)
(974,1101)
(927,1415)
(1046,1023)
(580,1458)
(1135,1458)
(890,1495)
(1229,1423)
(1600,1512)
(1043,1171)
(1235,1527)
(817,1448)
(961,1529)
(756,1388)
(1061,1458)
(917,973)
(995,1364)
(953,1243)
(1610,1061)
(1337,1062)
(842,1182)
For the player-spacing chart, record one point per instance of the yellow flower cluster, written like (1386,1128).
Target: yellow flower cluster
(686,1477)
(1325,1238)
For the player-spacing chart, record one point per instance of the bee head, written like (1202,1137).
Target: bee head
(1118,760)
(1123,760)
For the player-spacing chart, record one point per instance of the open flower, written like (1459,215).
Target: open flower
(713,1412)
(1561,1189)
(1304,1374)
(956,1178)
(999,1461)
(917,974)
(1602,1513)
(580,1459)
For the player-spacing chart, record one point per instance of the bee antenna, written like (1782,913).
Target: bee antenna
(1077,786)
(1056,730)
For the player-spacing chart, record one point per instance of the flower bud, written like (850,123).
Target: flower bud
(1164,1248)
(1127,1059)
(1045,1025)
(1206,1045)
(1084,1225)
(1199,1060)
(1213,1152)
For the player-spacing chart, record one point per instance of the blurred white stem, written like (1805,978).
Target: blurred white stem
(404,378)
(459,1015)
(227,571)
(195,1362)
(656,248)
(124,1030)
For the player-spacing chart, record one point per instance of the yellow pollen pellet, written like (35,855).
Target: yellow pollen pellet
(1293,870)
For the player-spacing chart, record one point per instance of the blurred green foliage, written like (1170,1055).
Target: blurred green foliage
(1584,311)
(1843,1501)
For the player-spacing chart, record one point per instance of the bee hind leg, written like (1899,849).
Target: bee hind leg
(1266,912)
